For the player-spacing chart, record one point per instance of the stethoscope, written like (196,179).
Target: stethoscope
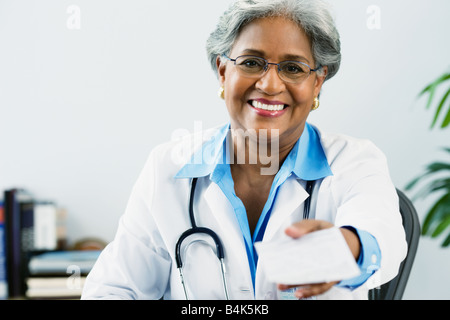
(219,247)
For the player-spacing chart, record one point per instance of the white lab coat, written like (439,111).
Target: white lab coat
(140,263)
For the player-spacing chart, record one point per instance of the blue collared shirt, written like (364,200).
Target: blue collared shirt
(307,160)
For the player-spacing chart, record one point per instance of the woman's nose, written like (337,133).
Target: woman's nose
(270,82)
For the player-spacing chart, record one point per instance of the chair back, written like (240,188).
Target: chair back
(394,289)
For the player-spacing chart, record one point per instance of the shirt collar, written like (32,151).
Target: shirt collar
(307,160)
(311,162)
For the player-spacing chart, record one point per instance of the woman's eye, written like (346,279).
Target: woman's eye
(293,68)
(252,63)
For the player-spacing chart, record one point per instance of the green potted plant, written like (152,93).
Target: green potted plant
(436,178)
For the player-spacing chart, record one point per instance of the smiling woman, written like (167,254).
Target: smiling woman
(271,58)
(250,97)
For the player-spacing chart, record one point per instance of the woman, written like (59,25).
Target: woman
(271,59)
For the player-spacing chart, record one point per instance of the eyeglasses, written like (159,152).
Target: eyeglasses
(288,71)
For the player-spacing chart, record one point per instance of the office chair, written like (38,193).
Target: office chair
(393,290)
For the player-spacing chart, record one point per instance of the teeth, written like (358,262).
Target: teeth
(270,107)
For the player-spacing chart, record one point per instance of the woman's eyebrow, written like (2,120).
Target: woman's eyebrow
(253,52)
(286,57)
(294,57)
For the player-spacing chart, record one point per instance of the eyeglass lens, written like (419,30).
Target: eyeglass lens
(290,71)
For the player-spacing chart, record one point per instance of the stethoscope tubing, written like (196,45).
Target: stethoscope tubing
(198,230)
(219,247)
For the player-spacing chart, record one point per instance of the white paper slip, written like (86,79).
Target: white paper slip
(321,256)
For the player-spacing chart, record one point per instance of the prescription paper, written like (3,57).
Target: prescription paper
(321,256)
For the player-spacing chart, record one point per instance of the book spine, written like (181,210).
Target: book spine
(45,224)
(3,278)
(17,205)
(13,249)
(26,241)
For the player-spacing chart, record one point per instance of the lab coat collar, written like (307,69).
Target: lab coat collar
(208,157)
(308,159)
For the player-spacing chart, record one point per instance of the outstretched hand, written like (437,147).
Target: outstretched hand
(304,227)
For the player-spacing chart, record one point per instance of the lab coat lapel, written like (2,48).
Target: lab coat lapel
(227,221)
(290,196)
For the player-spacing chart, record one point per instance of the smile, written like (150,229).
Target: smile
(269,107)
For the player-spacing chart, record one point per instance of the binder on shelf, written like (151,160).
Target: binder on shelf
(16,201)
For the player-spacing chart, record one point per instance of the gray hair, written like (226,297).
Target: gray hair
(312,15)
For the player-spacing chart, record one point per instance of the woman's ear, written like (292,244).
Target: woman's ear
(220,69)
(320,79)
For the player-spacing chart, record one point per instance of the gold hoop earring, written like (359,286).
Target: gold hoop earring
(221,93)
(316,104)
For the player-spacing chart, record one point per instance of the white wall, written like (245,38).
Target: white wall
(81,106)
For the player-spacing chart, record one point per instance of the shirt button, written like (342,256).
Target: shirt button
(374,258)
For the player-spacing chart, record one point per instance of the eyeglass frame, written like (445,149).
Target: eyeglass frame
(266,67)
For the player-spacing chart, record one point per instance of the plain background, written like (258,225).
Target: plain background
(83,102)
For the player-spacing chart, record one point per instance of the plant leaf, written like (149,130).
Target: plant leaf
(438,111)
(446,120)
(433,186)
(431,89)
(438,166)
(446,242)
(430,169)
(435,83)
(443,183)
(436,213)
(440,184)
(444,224)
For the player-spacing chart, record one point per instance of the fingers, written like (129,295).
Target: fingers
(306,226)
(306,291)
(298,230)
(313,290)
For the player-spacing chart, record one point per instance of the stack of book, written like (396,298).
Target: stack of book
(59,274)
(27,227)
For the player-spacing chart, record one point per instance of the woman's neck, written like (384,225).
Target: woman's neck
(256,158)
